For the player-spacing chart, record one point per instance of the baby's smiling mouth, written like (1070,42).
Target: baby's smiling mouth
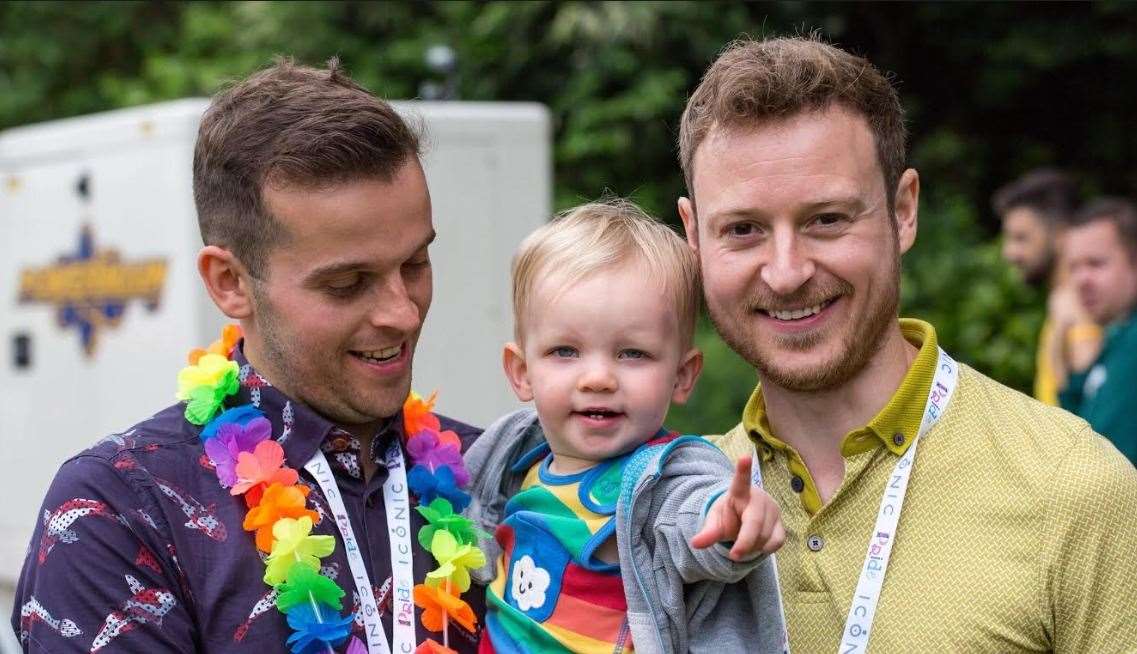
(598,413)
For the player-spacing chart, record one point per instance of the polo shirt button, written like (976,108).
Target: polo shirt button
(797,483)
(898,439)
(815,542)
(339,444)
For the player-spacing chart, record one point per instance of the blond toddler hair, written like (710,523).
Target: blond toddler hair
(599,236)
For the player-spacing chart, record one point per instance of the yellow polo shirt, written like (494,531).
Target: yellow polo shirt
(1018,533)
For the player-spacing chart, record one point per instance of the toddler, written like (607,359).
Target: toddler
(610,531)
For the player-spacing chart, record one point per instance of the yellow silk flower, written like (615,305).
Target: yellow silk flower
(292,542)
(454,561)
(212,370)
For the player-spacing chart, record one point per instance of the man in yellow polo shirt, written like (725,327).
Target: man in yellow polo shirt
(927,507)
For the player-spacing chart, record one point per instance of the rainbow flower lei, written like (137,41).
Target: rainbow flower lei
(250,463)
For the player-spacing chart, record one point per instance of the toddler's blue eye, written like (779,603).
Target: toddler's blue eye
(564,352)
(633,354)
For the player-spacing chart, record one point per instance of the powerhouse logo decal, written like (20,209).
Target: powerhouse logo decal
(91,287)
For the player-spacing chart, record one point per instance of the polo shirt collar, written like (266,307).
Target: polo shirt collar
(896,425)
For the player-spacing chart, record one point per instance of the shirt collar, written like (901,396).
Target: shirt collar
(896,425)
(298,428)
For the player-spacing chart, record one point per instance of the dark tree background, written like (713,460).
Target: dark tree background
(991,90)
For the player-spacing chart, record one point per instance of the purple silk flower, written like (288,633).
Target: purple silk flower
(426,450)
(231,440)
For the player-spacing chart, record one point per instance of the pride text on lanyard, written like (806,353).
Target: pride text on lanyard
(397,504)
(859,623)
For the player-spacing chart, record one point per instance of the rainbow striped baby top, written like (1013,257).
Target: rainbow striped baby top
(551,593)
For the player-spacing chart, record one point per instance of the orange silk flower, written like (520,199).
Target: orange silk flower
(436,604)
(431,646)
(223,346)
(277,502)
(417,414)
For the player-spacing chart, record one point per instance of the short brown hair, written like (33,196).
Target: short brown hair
(1052,194)
(756,81)
(604,235)
(1118,211)
(293,125)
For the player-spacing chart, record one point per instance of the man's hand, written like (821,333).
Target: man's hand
(1076,340)
(744,514)
(1064,307)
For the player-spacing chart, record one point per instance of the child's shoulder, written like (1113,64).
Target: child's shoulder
(674,454)
(668,442)
(663,437)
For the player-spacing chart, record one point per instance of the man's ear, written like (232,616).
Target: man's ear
(516,371)
(690,222)
(907,205)
(226,280)
(689,368)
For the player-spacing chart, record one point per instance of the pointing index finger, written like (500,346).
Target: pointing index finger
(740,483)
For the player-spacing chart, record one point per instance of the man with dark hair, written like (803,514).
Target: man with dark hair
(1101,252)
(1034,210)
(1019,522)
(316,220)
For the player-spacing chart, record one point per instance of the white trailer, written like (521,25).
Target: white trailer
(101,298)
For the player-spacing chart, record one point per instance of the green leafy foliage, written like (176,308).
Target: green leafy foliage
(991,89)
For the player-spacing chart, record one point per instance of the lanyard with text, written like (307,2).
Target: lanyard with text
(397,505)
(756,479)
(858,625)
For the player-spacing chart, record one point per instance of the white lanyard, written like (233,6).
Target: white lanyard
(756,479)
(858,625)
(397,504)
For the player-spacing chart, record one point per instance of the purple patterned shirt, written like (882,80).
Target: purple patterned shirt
(139,549)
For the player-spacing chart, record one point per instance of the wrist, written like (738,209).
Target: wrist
(709,505)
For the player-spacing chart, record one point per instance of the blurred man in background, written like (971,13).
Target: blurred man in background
(1034,210)
(1101,252)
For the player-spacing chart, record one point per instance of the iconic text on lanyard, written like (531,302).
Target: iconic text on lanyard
(396,500)
(858,624)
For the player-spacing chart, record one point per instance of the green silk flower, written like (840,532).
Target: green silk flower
(304,585)
(454,561)
(292,543)
(440,516)
(205,386)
